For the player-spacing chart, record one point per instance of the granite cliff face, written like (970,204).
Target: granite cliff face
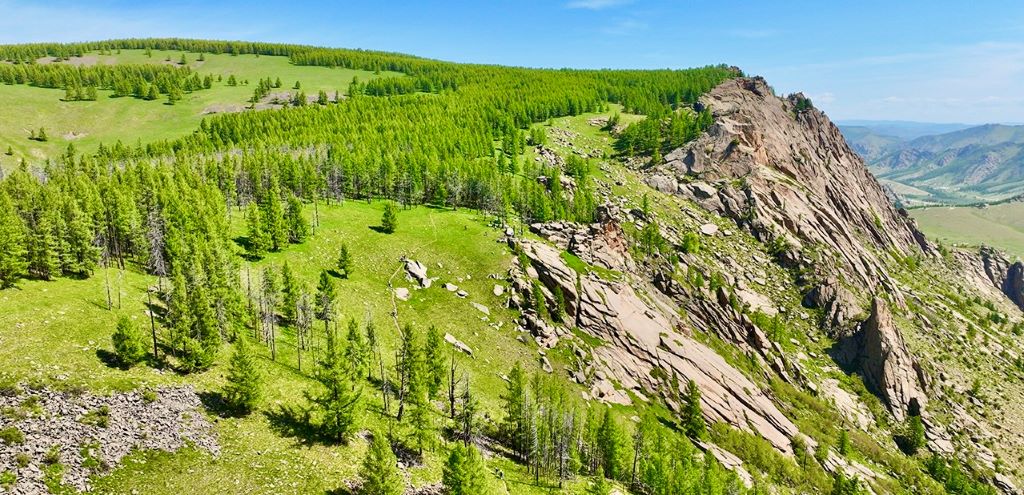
(788,175)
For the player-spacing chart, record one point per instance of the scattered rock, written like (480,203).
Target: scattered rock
(481,308)
(417,272)
(402,293)
(458,344)
(709,229)
(499,290)
(451,287)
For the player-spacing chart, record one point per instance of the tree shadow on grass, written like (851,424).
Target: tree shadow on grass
(295,422)
(110,359)
(378,229)
(215,403)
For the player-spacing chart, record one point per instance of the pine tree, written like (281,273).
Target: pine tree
(232,81)
(515,406)
(13,264)
(129,342)
(693,416)
(243,390)
(408,364)
(339,401)
(273,217)
(298,227)
(434,361)
(344,261)
(325,296)
(389,221)
(612,443)
(356,351)
(290,291)
(379,471)
(465,472)
(599,484)
(258,240)
(152,92)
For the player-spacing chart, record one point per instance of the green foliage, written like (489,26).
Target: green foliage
(691,243)
(344,261)
(8,479)
(842,485)
(389,221)
(599,485)
(244,388)
(99,417)
(339,399)
(954,478)
(911,437)
(693,414)
(434,361)
(129,342)
(11,435)
(13,263)
(465,472)
(379,471)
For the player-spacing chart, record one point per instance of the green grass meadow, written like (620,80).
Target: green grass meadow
(133,121)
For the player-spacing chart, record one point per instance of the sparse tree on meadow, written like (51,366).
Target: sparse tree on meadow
(129,342)
(244,388)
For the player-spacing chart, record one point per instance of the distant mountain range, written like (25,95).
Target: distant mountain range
(926,163)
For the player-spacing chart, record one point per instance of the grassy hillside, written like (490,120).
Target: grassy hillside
(133,121)
(1000,226)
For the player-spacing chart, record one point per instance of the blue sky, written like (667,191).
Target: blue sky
(938,61)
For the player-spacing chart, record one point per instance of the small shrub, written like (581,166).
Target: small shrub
(149,396)
(99,417)
(22,459)
(12,436)
(52,455)
(8,479)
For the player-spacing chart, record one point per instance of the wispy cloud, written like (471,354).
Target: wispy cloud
(595,4)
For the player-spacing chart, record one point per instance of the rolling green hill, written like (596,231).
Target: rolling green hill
(132,121)
(1000,226)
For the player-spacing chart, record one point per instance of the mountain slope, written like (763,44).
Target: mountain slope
(983,163)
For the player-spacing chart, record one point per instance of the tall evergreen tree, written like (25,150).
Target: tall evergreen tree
(243,390)
(290,291)
(465,472)
(325,297)
(129,342)
(356,351)
(434,361)
(379,471)
(389,221)
(340,396)
(13,264)
(344,261)
(693,415)
(298,227)
(258,239)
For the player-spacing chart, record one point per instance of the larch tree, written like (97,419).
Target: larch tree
(129,342)
(379,471)
(244,388)
(339,399)
(465,472)
(13,264)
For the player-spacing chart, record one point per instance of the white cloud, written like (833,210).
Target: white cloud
(595,4)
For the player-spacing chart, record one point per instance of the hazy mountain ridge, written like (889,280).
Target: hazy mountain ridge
(981,163)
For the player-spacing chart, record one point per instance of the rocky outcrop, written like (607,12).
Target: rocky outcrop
(114,425)
(1005,275)
(643,343)
(789,176)
(881,355)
